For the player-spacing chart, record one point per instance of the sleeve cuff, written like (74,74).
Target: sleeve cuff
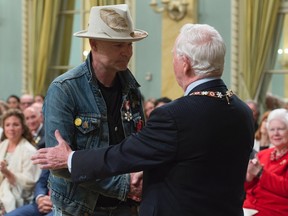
(40,195)
(69,162)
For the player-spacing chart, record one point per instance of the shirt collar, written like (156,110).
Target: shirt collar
(198,82)
(38,130)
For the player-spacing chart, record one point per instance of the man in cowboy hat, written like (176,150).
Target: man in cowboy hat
(194,150)
(94,105)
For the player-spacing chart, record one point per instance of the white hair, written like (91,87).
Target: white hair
(205,48)
(280,114)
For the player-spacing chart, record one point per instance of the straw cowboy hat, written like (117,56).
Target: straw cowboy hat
(111,23)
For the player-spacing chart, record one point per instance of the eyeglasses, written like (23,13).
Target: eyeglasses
(26,103)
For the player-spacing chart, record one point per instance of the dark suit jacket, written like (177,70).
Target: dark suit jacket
(194,152)
(41,186)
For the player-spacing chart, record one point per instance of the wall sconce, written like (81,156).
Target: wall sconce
(177,9)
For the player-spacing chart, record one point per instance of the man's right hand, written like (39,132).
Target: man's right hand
(44,204)
(254,167)
(53,157)
(136,181)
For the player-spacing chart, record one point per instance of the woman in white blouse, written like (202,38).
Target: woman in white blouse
(17,173)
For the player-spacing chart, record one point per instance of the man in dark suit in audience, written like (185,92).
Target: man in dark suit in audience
(194,150)
(41,205)
(34,120)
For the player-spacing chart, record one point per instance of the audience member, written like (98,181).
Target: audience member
(285,105)
(267,176)
(3,108)
(26,100)
(13,102)
(261,136)
(17,173)
(256,112)
(149,106)
(161,101)
(190,165)
(273,102)
(39,98)
(38,106)
(42,204)
(33,118)
(94,105)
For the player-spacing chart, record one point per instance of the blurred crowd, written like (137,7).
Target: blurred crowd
(23,186)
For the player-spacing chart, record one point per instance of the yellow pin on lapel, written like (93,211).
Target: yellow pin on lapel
(78,122)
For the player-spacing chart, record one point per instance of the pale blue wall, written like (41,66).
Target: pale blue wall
(10,48)
(217,14)
(76,49)
(148,51)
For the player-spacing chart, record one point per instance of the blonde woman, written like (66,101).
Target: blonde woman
(17,173)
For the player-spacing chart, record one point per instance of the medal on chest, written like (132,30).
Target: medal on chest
(127,111)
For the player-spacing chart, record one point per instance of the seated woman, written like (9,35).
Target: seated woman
(266,183)
(262,141)
(17,173)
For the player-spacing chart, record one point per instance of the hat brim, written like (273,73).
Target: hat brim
(136,36)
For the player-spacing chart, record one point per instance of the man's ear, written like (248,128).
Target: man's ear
(186,65)
(93,44)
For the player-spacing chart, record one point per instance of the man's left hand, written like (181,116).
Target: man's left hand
(53,157)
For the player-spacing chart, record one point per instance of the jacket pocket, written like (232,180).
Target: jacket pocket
(88,127)
(86,123)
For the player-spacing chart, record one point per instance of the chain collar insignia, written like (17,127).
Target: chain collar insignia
(216,94)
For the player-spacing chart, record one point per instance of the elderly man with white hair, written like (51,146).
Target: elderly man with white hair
(33,117)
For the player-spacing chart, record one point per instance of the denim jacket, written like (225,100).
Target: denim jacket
(75,106)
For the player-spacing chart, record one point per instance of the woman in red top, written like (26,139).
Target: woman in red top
(267,175)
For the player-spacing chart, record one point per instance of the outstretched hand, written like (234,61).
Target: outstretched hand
(53,157)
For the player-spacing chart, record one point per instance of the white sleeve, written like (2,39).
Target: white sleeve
(69,162)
